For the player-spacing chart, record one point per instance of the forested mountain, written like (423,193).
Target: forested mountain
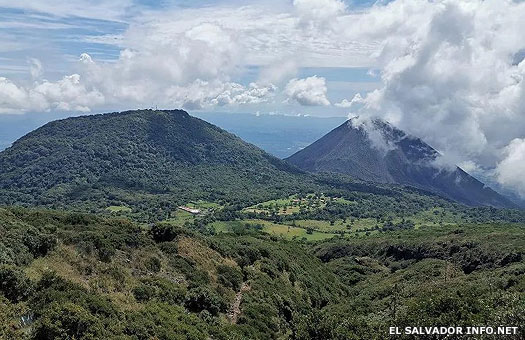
(137,157)
(402,159)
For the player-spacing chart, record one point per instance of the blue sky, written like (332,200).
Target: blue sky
(58,40)
(58,33)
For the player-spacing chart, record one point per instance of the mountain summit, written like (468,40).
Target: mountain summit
(382,153)
(137,157)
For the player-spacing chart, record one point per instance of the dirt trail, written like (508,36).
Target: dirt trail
(235,309)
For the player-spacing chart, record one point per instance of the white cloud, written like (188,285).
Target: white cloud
(170,79)
(374,133)
(470,166)
(310,91)
(450,74)
(12,98)
(96,9)
(264,34)
(345,103)
(67,94)
(510,170)
(177,48)
(314,12)
(201,94)
(191,68)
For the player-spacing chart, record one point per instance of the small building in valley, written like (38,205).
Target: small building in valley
(190,210)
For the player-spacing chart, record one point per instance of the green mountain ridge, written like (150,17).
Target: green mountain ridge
(137,156)
(150,162)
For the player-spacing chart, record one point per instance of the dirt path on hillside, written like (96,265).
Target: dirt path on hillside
(235,309)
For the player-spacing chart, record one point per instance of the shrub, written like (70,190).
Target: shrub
(160,289)
(229,277)
(144,293)
(165,232)
(204,298)
(68,321)
(39,244)
(153,264)
(163,321)
(14,284)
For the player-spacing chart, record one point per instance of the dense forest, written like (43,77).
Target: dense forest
(77,276)
(154,160)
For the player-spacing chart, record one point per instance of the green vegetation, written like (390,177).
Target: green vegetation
(118,209)
(285,231)
(472,274)
(264,252)
(154,162)
(339,212)
(85,276)
(158,160)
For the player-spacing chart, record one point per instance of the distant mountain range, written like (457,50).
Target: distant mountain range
(153,159)
(385,154)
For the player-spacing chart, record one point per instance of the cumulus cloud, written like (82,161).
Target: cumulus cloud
(156,60)
(12,98)
(136,79)
(510,170)
(309,91)
(190,69)
(451,75)
(201,94)
(67,94)
(180,50)
(345,103)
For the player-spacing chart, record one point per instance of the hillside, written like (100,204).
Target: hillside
(69,275)
(404,160)
(138,158)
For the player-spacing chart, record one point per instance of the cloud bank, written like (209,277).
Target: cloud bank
(453,75)
(67,94)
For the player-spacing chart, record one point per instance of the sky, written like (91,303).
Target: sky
(448,71)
